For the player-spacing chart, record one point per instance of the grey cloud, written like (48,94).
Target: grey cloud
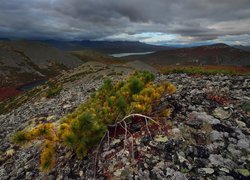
(96,19)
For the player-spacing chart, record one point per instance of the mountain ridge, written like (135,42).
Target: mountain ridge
(25,61)
(216,54)
(108,47)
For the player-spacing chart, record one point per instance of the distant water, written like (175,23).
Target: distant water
(130,54)
(29,86)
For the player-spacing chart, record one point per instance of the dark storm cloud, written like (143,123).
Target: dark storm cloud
(197,20)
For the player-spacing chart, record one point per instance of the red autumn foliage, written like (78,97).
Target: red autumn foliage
(7,92)
(220,99)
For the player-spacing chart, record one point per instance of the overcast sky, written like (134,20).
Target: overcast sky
(150,21)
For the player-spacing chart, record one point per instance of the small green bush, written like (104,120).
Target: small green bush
(20,138)
(54,90)
(135,85)
(85,127)
(201,70)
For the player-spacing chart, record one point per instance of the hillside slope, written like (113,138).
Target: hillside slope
(217,54)
(245,48)
(92,55)
(26,61)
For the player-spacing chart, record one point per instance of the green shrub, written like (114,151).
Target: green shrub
(202,70)
(54,90)
(121,104)
(85,127)
(20,138)
(135,85)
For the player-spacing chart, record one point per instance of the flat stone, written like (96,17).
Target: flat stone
(216,159)
(161,165)
(225,178)
(169,172)
(115,142)
(216,136)
(206,170)
(81,173)
(241,124)
(180,176)
(222,113)
(161,138)
(239,134)
(203,116)
(10,152)
(118,172)
(224,170)
(181,158)
(233,140)
(243,143)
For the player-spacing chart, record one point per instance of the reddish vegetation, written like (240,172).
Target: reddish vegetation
(6,92)
(230,68)
(219,99)
(204,51)
(234,69)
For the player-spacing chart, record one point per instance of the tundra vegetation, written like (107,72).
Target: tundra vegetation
(205,70)
(85,128)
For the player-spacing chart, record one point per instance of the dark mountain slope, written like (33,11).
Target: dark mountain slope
(109,47)
(245,48)
(217,54)
(25,61)
(92,55)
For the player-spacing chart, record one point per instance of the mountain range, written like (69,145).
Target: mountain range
(108,47)
(24,61)
(216,54)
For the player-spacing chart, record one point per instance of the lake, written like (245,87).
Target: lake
(29,86)
(130,54)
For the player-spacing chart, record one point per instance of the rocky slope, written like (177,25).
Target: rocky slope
(206,137)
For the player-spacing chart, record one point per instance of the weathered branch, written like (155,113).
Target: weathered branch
(96,156)
(146,120)
(132,115)
(125,127)
(139,115)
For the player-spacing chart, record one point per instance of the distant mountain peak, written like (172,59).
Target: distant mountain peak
(219,45)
